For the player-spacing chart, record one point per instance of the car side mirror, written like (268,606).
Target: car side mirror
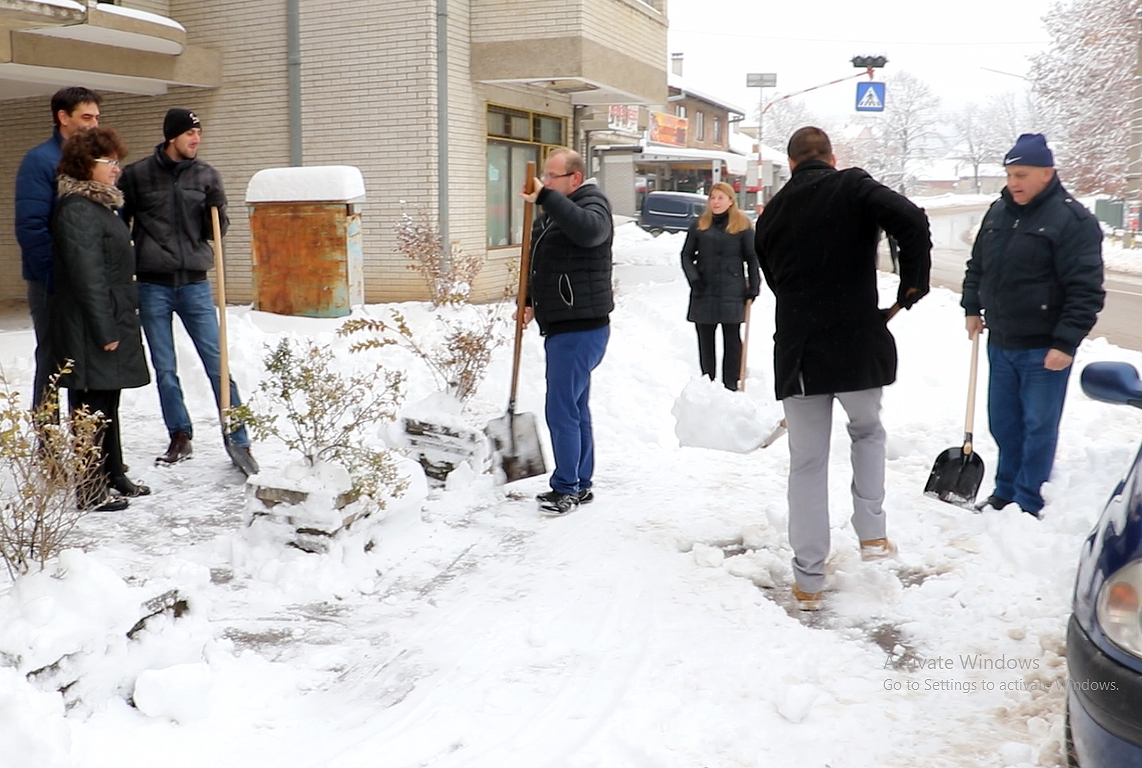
(1112,382)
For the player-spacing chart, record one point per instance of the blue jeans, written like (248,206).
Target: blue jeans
(1025,404)
(41,318)
(195,307)
(570,359)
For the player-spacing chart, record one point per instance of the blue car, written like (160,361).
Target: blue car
(1104,636)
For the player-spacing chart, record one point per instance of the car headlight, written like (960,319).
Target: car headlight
(1119,611)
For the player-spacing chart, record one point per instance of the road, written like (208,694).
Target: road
(1120,321)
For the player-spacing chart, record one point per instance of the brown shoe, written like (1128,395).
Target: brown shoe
(179,450)
(877,549)
(807,601)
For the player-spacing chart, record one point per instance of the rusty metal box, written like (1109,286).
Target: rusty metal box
(305,240)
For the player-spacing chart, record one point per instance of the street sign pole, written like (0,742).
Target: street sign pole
(760,81)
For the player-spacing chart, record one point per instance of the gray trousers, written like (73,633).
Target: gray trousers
(810,421)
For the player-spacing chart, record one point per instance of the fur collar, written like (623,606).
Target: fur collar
(96,192)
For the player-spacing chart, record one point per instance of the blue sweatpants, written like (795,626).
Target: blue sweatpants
(570,359)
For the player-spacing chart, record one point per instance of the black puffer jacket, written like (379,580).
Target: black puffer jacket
(571,261)
(95,300)
(816,244)
(168,205)
(722,271)
(1035,272)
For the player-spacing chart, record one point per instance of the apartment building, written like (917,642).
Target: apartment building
(439,103)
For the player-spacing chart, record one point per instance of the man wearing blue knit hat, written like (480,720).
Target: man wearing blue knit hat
(1034,281)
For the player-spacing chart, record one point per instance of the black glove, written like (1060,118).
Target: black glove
(906,297)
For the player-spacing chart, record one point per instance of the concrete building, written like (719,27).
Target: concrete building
(440,104)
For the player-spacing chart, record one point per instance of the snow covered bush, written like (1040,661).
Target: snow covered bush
(319,411)
(459,363)
(48,464)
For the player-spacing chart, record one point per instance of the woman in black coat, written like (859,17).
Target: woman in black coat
(721,267)
(94,319)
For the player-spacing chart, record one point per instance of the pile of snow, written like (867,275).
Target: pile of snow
(708,415)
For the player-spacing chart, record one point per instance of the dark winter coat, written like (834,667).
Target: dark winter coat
(35,201)
(168,205)
(722,272)
(816,243)
(95,300)
(1035,272)
(570,285)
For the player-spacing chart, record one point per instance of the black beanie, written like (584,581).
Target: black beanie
(179,121)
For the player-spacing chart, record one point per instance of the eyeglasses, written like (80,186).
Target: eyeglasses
(553,176)
(107,161)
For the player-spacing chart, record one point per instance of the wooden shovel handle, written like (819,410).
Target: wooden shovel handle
(224,366)
(521,294)
(969,419)
(745,347)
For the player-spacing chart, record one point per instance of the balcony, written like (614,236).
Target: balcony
(43,45)
(593,51)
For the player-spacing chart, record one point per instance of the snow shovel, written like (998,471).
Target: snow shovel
(745,346)
(515,436)
(782,427)
(958,472)
(240,455)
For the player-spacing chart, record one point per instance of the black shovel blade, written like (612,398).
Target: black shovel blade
(241,457)
(515,440)
(956,477)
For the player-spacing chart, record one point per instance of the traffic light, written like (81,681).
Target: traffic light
(869,62)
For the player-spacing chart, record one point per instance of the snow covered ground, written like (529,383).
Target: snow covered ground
(650,628)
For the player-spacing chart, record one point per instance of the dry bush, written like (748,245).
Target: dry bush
(49,464)
(449,280)
(326,414)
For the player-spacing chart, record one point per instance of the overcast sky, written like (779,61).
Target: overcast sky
(951,46)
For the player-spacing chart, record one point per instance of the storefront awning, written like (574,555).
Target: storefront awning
(735,164)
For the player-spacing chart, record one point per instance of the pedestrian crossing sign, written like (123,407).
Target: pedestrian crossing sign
(870,97)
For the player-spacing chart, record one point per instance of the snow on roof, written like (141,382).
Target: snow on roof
(674,81)
(68,4)
(135,13)
(316,183)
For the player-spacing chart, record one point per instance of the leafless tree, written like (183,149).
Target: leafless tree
(1084,82)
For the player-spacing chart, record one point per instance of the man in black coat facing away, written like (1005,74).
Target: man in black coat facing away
(816,243)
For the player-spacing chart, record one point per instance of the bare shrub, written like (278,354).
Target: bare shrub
(326,414)
(49,464)
(449,281)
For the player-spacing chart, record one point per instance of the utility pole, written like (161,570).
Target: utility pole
(760,81)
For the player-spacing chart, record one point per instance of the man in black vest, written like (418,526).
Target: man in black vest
(1035,280)
(569,295)
(816,243)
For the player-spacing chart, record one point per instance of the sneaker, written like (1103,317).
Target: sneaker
(877,549)
(179,449)
(807,601)
(124,487)
(993,501)
(556,503)
(586,496)
(108,503)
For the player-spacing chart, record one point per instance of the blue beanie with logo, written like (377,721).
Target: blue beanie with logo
(1030,149)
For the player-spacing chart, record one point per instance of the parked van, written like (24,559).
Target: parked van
(670,211)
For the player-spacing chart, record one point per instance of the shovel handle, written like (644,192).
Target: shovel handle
(745,347)
(524,270)
(969,418)
(224,364)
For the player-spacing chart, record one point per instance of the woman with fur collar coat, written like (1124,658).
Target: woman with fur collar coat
(94,317)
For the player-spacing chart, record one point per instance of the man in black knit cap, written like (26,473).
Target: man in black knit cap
(168,197)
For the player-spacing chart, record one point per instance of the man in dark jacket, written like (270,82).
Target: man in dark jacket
(1035,280)
(168,197)
(72,109)
(569,295)
(816,243)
